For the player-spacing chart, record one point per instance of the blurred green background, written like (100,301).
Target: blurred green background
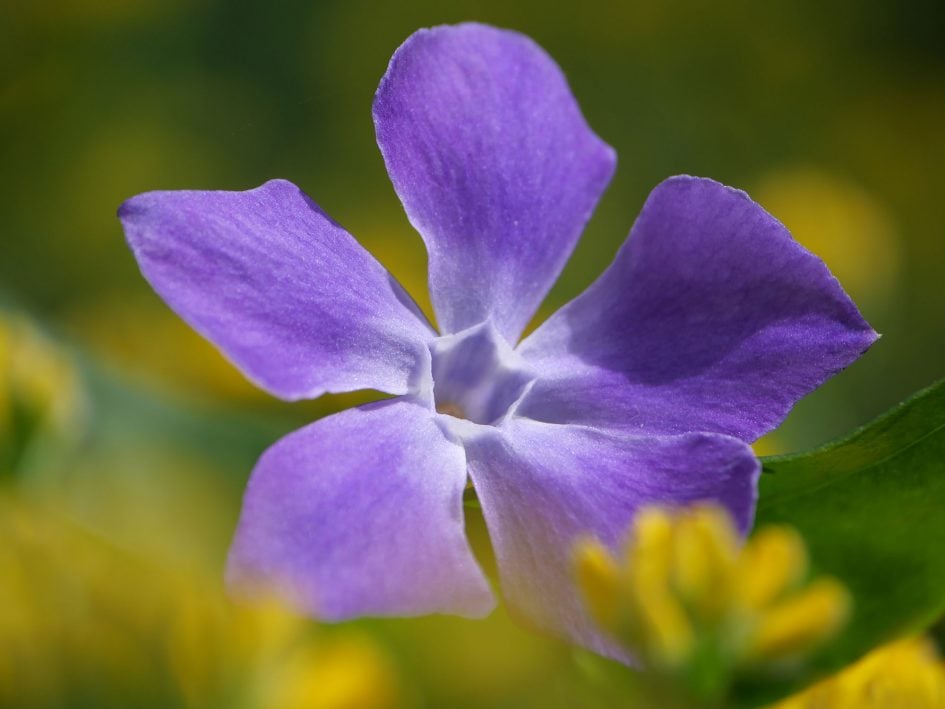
(127,440)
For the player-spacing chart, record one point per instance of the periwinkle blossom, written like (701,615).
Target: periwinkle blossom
(646,389)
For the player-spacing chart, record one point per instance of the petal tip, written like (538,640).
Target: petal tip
(706,183)
(130,208)
(477,606)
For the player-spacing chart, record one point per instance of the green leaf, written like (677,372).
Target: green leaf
(871,508)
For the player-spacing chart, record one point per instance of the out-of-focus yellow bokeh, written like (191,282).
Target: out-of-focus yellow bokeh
(85,621)
(906,674)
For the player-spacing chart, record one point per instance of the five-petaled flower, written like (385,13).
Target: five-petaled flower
(647,388)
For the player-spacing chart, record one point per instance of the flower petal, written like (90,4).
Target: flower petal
(711,318)
(280,288)
(361,513)
(495,165)
(544,485)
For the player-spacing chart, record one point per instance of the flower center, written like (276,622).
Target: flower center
(477,375)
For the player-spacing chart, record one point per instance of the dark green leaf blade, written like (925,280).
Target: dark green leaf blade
(872,510)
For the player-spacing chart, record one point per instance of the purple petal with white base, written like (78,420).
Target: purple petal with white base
(361,513)
(543,485)
(495,165)
(711,318)
(280,288)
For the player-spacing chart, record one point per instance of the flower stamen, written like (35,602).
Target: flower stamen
(450,409)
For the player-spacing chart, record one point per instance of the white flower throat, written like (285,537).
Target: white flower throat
(477,376)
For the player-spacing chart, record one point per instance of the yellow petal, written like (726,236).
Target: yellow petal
(773,562)
(706,546)
(598,581)
(801,622)
(649,554)
(906,674)
(668,636)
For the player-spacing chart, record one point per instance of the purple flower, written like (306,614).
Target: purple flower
(708,326)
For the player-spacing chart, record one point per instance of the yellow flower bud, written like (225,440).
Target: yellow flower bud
(598,580)
(706,547)
(650,546)
(773,562)
(798,624)
(668,635)
(687,602)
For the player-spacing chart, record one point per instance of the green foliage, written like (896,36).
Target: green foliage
(871,508)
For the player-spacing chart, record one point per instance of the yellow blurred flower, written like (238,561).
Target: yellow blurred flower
(343,676)
(906,674)
(85,623)
(839,221)
(40,390)
(123,331)
(683,593)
